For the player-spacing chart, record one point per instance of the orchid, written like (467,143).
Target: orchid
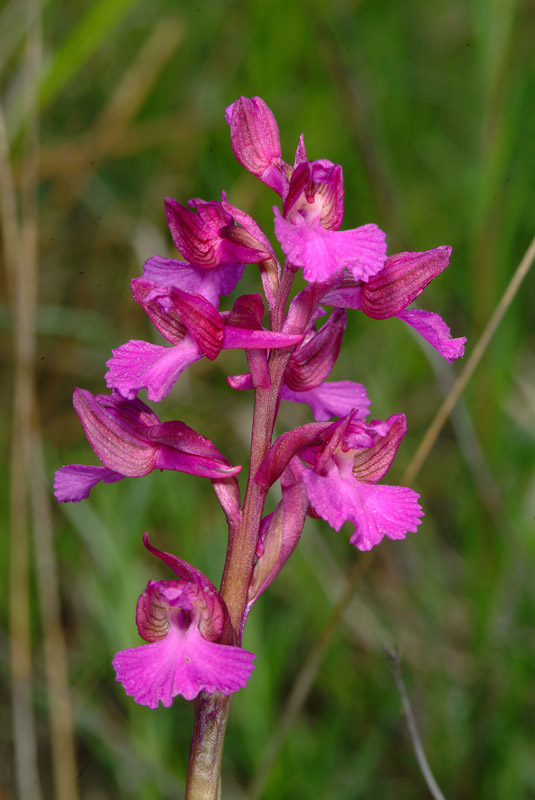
(389,292)
(308,228)
(194,328)
(329,468)
(182,620)
(341,477)
(130,441)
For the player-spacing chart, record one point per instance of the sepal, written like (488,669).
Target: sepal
(315,356)
(282,532)
(202,320)
(255,141)
(402,279)
(166,319)
(371,463)
(203,234)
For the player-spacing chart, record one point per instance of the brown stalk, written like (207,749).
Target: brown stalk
(18,245)
(28,472)
(55,650)
(74,155)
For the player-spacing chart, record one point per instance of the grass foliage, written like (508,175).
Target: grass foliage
(429,108)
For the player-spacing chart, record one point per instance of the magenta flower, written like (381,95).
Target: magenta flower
(389,292)
(130,441)
(339,466)
(182,621)
(341,475)
(308,228)
(194,328)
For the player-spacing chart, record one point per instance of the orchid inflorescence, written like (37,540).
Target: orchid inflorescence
(328,468)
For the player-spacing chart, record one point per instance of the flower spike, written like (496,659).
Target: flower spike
(331,468)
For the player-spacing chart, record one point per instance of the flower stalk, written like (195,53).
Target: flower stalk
(328,468)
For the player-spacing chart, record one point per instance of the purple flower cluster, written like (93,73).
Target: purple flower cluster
(329,468)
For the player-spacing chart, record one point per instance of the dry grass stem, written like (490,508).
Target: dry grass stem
(432,785)
(19,243)
(55,651)
(73,156)
(28,472)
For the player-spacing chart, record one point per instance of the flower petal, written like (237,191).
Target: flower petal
(73,482)
(375,511)
(182,449)
(331,399)
(317,192)
(391,511)
(141,365)
(434,330)
(209,283)
(321,253)
(181,663)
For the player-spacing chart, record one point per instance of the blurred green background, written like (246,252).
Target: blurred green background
(429,107)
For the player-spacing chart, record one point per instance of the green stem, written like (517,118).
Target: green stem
(206,754)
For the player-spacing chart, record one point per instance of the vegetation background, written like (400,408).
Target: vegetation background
(429,107)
